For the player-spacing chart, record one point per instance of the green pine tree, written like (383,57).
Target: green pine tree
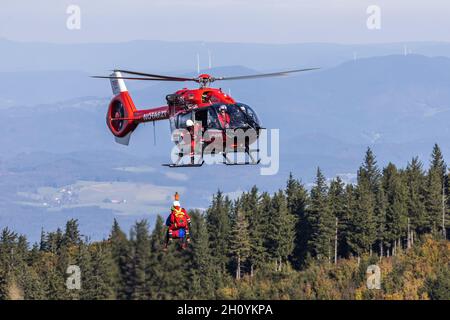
(346,222)
(321,220)
(248,204)
(337,204)
(363,226)
(204,271)
(121,255)
(72,235)
(219,225)
(239,241)
(8,239)
(395,189)
(435,187)
(297,201)
(281,234)
(369,172)
(140,241)
(417,192)
(102,287)
(380,220)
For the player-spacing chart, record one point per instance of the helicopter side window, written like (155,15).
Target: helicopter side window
(249,111)
(182,118)
(213,121)
(206,97)
(237,117)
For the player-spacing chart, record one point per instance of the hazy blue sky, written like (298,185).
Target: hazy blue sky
(269,21)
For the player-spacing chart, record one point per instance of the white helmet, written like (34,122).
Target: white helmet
(223,107)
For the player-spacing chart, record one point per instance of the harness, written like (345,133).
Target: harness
(178,212)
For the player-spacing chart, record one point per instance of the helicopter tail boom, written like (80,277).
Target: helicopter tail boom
(122,117)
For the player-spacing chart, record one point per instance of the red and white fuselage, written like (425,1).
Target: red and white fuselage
(123,117)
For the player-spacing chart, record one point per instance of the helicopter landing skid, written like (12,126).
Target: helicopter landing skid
(243,163)
(228,162)
(192,163)
(173,165)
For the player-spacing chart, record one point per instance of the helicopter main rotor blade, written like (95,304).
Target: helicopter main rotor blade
(264,75)
(134,78)
(202,80)
(155,75)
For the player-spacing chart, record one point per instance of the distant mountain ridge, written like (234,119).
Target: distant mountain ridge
(168,56)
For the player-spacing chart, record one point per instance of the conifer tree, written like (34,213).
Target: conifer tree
(281,234)
(54,241)
(7,247)
(43,245)
(120,252)
(101,275)
(65,257)
(157,257)
(204,272)
(297,200)
(248,204)
(84,262)
(369,172)
(54,284)
(72,235)
(416,184)
(447,215)
(396,211)
(158,235)
(218,223)
(140,241)
(34,254)
(265,207)
(321,221)
(22,274)
(363,227)
(239,241)
(380,220)
(31,284)
(435,191)
(53,280)
(346,222)
(337,202)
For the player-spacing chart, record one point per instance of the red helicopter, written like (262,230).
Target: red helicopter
(196,110)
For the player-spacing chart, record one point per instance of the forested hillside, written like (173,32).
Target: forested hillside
(293,244)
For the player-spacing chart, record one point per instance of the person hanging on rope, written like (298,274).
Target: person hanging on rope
(178,224)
